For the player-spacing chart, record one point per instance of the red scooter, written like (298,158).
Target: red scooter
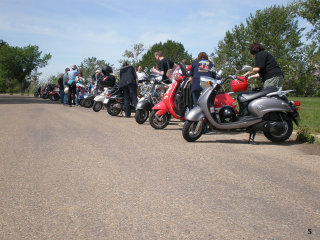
(171,103)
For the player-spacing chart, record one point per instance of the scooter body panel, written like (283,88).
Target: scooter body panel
(259,107)
(144,104)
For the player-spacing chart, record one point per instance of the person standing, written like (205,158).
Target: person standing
(199,68)
(79,80)
(266,67)
(128,84)
(72,84)
(163,66)
(140,74)
(61,87)
(65,84)
(95,79)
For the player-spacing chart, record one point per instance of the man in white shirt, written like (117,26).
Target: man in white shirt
(140,74)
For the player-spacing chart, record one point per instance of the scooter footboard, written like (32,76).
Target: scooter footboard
(195,114)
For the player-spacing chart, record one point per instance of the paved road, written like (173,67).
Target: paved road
(71,173)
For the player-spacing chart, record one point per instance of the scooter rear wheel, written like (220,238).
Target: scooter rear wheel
(113,111)
(190,131)
(97,106)
(158,122)
(283,135)
(141,116)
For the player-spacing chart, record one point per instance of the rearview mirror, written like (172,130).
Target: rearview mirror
(246,68)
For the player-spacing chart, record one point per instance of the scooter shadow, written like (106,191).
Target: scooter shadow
(256,143)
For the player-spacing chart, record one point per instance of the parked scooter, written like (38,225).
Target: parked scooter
(107,82)
(115,103)
(54,95)
(268,111)
(150,98)
(162,111)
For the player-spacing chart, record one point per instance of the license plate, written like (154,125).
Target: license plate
(211,109)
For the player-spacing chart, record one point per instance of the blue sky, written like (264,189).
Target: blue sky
(74,30)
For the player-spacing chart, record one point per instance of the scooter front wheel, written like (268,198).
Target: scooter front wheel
(158,122)
(192,131)
(141,116)
(97,106)
(88,103)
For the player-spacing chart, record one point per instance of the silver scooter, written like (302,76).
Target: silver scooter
(267,110)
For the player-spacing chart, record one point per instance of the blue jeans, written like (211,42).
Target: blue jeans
(66,99)
(61,95)
(195,97)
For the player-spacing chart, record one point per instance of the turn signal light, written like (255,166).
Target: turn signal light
(296,103)
(208,82)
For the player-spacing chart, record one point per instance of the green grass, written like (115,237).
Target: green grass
(309,113)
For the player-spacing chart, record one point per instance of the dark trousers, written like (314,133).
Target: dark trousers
(72,94)
(130,96)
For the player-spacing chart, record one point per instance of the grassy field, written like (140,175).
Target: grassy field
(309,113)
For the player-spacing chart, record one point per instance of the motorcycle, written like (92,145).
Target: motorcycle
(37,93)
(150,98)
(268,110)
(46,90)
(54,95)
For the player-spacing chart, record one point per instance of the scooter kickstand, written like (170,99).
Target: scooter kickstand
(252,136)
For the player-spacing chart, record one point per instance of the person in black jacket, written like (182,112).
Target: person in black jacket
(61,87)
(164,64)
(128,84)
(266,67)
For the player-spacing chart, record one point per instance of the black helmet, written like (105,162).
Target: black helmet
(106,70)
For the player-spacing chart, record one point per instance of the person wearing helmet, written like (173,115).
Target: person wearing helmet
(107,80)
(266,67)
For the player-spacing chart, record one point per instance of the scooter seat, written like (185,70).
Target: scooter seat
(248,96)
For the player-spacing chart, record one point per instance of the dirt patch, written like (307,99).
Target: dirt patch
(310,149)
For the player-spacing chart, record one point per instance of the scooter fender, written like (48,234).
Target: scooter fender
(195,114)
(99,98)
(144,103)
(161,107)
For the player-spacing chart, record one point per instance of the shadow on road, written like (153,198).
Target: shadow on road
(18,99)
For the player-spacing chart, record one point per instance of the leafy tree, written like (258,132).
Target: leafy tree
(276,28)
(170,49)
(17,63)
(133,56)
(89,65)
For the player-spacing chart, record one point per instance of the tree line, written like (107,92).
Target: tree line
(277,28)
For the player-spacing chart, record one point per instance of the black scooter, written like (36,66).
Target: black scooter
(145,104)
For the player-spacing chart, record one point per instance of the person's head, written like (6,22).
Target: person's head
(98,72)
(74,67)
(67,70)
(158,55)
(139,69)
(125,64)
(255,48)
(61,75)
(202,56)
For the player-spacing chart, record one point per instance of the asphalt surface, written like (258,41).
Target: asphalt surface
(71,173)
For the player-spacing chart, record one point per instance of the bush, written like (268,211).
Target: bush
(304,135)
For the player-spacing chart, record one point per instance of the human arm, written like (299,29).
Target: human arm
(254,73)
